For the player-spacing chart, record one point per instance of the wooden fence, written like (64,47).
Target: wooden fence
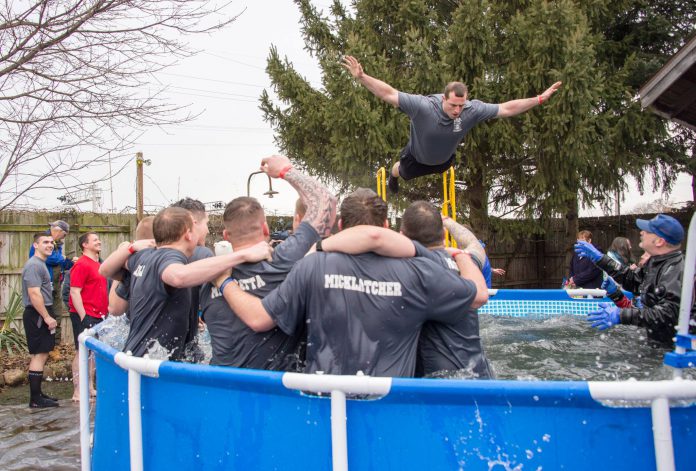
(16,234)
(530,262)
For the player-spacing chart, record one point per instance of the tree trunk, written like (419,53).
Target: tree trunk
(476,196)
(571,219)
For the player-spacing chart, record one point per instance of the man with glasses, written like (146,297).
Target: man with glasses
(438,122)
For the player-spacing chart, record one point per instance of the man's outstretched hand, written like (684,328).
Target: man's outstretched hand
(550,91)
(353,66)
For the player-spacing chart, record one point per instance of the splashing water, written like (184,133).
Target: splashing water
(567,348)
(113,331)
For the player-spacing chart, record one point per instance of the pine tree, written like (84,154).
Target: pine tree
(574,150)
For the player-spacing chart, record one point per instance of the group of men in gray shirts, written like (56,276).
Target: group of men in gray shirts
(379,303)
(367,299)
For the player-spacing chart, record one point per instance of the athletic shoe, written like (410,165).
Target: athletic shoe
(393,184)
(41,403)
(45,396)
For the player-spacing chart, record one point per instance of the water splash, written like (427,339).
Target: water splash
(113,331)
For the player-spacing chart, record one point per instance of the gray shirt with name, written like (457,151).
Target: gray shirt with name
(364,312)
(235,344)
(35,275)
(434,136)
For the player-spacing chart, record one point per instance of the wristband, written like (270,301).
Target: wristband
(228,280)
(282,173)
(131,249)
(317,246)
(455,253)
(541,100)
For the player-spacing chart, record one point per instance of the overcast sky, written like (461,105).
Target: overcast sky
(211,158)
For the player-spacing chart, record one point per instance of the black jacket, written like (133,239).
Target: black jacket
(659,285)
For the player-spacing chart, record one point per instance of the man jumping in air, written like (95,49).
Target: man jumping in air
(438,122)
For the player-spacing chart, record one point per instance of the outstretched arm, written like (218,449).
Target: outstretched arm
(202,271)
(515,107)
(466,240)
(118,259)
(361,239)
(321,205)
(380,89)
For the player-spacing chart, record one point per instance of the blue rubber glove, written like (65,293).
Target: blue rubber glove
(606,317)
(609,285)
(585,249)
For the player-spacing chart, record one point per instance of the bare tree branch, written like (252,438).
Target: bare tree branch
(74,75)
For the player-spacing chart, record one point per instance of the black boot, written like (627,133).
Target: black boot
(393,184)
(36,400)
(46,396)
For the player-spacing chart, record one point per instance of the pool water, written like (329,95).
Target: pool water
(567,348)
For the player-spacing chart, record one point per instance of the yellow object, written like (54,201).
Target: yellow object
(449,203)
(382,183)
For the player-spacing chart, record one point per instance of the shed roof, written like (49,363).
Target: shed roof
(671,92)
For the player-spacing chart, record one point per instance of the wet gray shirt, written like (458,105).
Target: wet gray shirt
(235,344)
(445,348)
(434,136)
(364,312)
(157,311)
(35,275)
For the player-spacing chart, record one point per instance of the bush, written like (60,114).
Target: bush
(12,341)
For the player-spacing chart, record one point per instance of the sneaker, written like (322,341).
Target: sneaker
(45,396)
(393,183)
(41,402)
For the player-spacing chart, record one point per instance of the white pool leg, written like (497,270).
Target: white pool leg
(83,368)
(339,435)
(135,431)
(662,434)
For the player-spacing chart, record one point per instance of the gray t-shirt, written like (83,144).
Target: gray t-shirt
(434,136)
(235,344)
(364,312)
(157,311)
(35,275)
(444,348)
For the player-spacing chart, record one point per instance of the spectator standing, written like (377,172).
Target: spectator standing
(39,320)
(584,273)
(89,301)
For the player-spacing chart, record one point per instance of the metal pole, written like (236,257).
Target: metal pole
(139,186)
(135,425)
(111,184)
(85,451)
(662,434)
(339,434)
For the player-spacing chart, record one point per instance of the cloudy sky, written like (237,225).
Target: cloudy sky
(210,159)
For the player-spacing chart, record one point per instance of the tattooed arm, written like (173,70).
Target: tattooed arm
(466,240)
(321,205)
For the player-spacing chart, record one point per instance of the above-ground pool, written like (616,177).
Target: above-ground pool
(153,414)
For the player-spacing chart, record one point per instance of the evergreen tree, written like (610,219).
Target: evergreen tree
(576,149)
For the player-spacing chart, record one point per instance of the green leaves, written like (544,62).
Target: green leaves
(11,340)
(575,149)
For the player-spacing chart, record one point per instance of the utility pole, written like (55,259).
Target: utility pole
(139,162)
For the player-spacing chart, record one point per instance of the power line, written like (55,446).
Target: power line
(212,80)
